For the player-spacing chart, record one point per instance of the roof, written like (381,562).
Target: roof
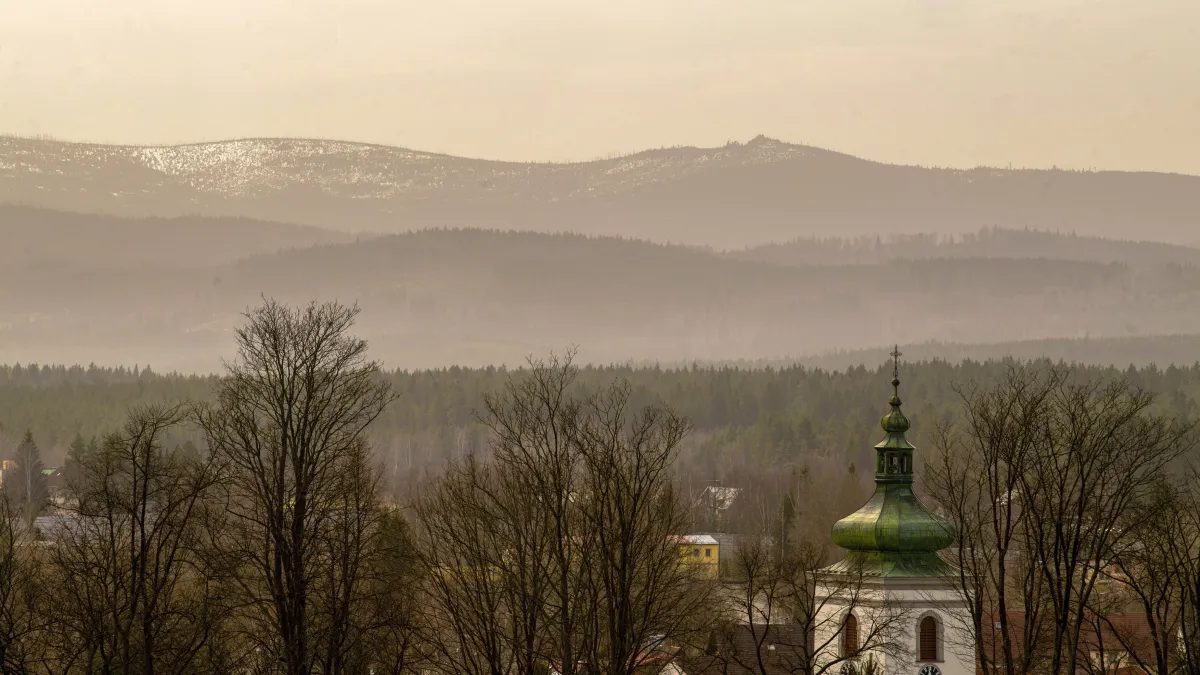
(699,539)
(721,497)
(735,651)
(893,519)
(892,565)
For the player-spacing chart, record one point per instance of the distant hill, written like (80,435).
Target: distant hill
(986,243)
(730,197)
(31,235)
(1161,351)
(471,297)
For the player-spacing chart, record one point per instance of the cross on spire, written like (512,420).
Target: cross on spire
(896,354)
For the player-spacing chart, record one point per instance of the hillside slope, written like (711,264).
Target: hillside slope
(470,297)
(986,243)
(734,196)
(30,235)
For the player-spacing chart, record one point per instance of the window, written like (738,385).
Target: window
(696,553)
(928,646)
(708,553)
(850,636)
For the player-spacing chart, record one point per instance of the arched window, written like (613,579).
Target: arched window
(850,636)
(928,646)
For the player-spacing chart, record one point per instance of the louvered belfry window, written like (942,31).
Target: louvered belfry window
(929,646)
(850,636)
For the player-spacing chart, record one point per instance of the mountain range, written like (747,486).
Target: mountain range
(754,252)
(739,195)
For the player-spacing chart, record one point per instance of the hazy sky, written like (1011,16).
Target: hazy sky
(1078,83)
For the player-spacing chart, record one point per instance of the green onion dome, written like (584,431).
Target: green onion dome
(894,530)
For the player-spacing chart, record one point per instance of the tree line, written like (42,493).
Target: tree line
(987,242)
(746,421)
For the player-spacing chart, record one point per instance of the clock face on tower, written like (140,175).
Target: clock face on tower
(929,670)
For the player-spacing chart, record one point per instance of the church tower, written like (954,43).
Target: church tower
(892,599)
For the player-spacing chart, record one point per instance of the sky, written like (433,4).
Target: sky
(1105,84)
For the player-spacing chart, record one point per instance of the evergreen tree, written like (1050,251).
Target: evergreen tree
(25,482)
(76,451)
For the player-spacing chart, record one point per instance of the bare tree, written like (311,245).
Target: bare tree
(24,595)
(1102,451)
(561,550)
(536,426)
(1185,554)
(1140,604)
(519,517)
(787,609)
(390,618)
(1153,581)
(853,588)
(355,585)
(645,591)
(756,604)
(1043,481)
(127,554)
(475,619)
(290,418)
(974,477)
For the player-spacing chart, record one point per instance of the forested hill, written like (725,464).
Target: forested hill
(738,195)
(32,236)
(991,242)
(1156,350)
(473,297)
(745,420)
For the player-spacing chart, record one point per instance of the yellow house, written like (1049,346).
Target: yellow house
(703,551)
(5,467)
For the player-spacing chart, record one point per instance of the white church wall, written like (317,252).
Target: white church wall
(955,642)
(889,620)
(876,620)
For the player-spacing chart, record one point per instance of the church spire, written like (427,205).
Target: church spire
(894,531)
(894,453)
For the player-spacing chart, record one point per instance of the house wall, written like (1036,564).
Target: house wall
(705,556)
